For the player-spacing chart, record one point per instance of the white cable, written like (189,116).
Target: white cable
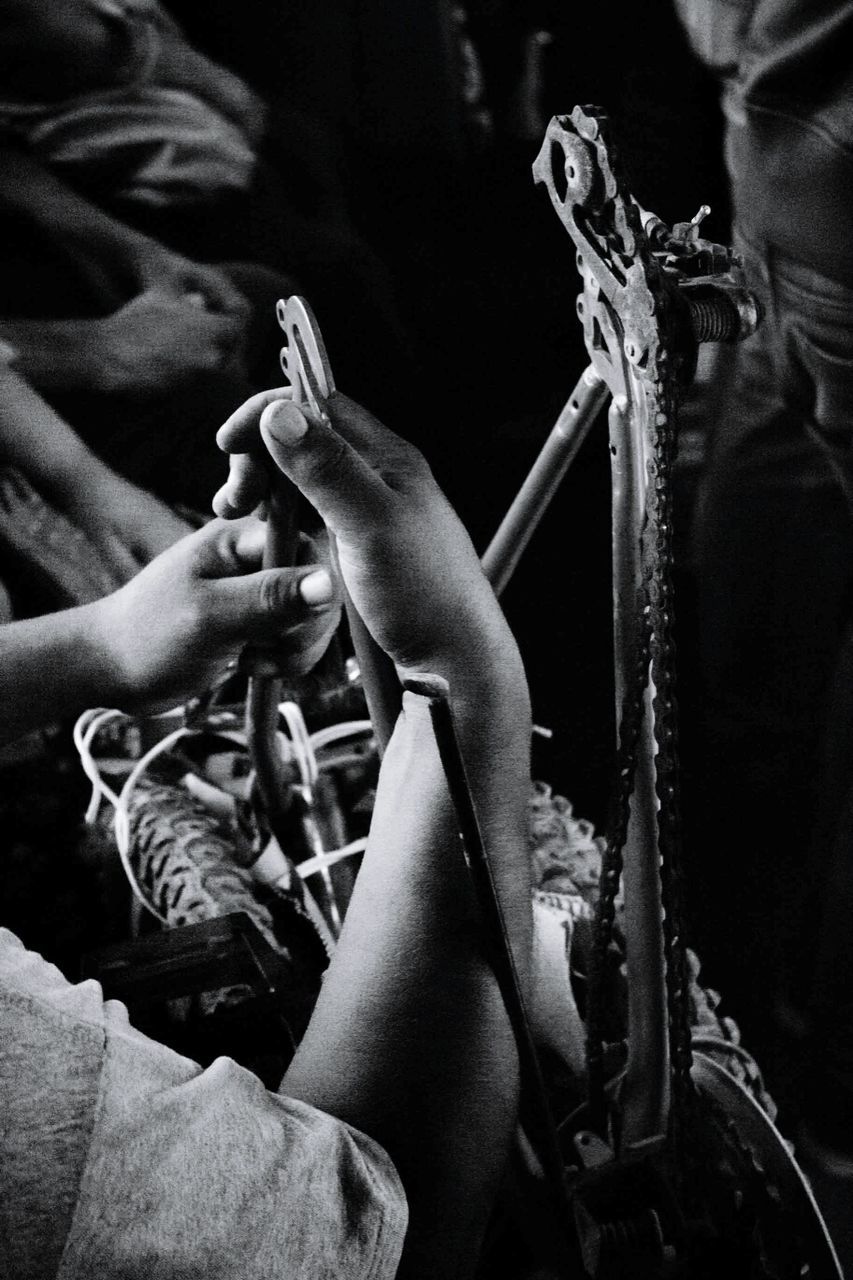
(100,790)
(85,731)
(335,732)
(321,861)
(301,741)
(301,744)
(305,749)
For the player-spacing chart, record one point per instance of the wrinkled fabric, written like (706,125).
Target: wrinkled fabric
(141,139)
(773,547)
(120,1158)
(787,75)
(158,145)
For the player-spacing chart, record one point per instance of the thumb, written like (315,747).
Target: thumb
(259,606)
(330,472)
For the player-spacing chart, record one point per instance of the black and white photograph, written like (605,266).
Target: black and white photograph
(426,640)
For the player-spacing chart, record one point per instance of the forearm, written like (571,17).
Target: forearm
(54,353)
(410,1040)
(52,667)
(40,443)
(29,188)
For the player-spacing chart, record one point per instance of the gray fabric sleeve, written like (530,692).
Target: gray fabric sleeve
(176,1172)
(50,1067)
(205,1174)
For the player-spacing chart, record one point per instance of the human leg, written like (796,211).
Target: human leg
(774,549)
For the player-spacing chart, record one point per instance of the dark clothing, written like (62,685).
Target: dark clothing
(774,555)
(774,527)
(787,74)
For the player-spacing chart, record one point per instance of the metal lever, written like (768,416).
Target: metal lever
(535,1109)
(306,364)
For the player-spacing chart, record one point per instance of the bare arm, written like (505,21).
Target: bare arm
(28,187)
(50,668)
(125,523)
(151,345)
(409,1039)
(119,260)
(39,442)
(53,353)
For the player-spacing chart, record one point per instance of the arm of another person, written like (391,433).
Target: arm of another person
(409,1040)
(153,344)
(167,634)
(127,525)
(119,260)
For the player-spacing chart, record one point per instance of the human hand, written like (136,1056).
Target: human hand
(175,627)
(404,555)
(159,341)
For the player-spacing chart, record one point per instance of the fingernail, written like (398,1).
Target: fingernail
(284,421)
(316,588)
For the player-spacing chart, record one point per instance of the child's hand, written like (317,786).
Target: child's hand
(405,557)
(178,624)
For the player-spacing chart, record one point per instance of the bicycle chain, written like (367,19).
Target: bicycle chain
(653,355)
(634,295)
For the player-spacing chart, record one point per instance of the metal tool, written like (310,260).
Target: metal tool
(536,1116)
(306,364)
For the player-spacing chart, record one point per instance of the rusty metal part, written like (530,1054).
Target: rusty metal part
(703,289)
(625,314)
(649,295)
(304,360)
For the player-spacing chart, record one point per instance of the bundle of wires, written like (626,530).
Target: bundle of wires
(303,749)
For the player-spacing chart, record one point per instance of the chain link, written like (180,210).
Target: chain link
(651,646)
